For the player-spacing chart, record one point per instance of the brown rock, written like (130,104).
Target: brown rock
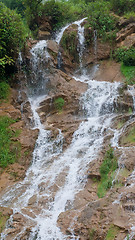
(43,35)
(123,22)
(52,46)
(125,32)
(128,42)
(109,71)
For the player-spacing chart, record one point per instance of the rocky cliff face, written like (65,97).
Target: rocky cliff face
(90,216)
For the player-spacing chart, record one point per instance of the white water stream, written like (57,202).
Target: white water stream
(55,176)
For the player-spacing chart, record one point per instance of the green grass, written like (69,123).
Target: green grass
(4,90)
(129,73)
(112,232)
(59,103)
(9,149)
(107,170)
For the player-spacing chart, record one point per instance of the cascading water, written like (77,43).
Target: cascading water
(39,62)
(81,44)
(95,44)
(58,39)
(81,39)
(55,177)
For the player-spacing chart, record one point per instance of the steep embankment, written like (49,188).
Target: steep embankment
(87,187)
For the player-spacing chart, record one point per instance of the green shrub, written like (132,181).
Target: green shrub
(32,13)
(15,4)
(127,56)
(4,90)
(12,38)
(107,169)
(62,12)
(59,103)
(9,149)
(122,6)
(100,19)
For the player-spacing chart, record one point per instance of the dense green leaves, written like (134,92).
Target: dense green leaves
(15,4)
(100,19)
(127,56)
(12,36)
(32,12)
(122,6)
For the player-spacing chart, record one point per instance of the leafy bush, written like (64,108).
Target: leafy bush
(4,90)
(62,12)
(12,37)
(32,12)
(100,19)
(59,103)
(122,6)
(9,149)
(127,56)
(107,169)
(15,4)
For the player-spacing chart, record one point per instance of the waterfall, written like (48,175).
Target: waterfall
(95,44)
(58,39)
(131,89)
(40,61)
(81,41)
(56,176)
(81,44)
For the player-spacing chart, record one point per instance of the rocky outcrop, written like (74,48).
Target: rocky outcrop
(124,32)
(128,42)
(25,138)
(109,70)
(45,28)
(124,102)
(67,119)
(68,48)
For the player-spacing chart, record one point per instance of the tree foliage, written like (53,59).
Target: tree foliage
(12,36)
(15,4)
(99,18)
(32,12)
(122,6)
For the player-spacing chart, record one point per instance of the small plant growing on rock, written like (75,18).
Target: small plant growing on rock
(59,103)
(112,232)
(107,169)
